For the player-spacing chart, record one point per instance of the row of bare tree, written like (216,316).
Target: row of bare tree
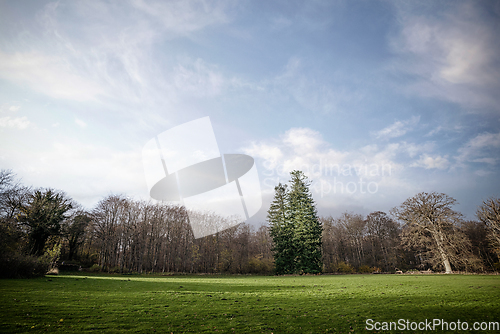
(128,235)
(124,235)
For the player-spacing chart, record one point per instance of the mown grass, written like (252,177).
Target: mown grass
(240,304)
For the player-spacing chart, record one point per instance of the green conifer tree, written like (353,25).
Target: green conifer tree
(295,228)
(281,230)
(307,227)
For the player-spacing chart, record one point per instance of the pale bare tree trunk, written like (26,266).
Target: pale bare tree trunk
(446,261)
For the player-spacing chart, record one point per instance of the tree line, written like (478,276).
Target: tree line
(41,229)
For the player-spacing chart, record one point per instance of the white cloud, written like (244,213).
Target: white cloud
(303,140)
(432,162)
(413,150)
(269,153)
(14,122)
(363,178)
(491,161)
(398,128)
(14,108)
(306,150)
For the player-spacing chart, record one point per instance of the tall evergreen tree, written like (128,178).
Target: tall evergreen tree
(295,228)
(281,230)
(307,227)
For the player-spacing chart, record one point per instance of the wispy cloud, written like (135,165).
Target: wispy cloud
(185,16)
(432,162)
(451,51)
(117,60)
(199,79)
(308,87)
(397,129)
(483,148)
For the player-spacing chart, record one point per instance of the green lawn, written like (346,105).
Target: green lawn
(241,304)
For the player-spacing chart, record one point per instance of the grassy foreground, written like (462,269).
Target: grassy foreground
(240,304)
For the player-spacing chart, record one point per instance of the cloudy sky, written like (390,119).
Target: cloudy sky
(375,100)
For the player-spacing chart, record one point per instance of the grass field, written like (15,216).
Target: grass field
(241,304)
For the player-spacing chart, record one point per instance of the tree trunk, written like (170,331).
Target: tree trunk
(444,256)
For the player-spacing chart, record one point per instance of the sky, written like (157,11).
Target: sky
(375,101)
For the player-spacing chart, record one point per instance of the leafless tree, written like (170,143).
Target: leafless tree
(354,227)
(477,232)
(430,226)
(489,214)
(383,239)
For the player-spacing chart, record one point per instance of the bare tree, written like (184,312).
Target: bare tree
(477,232)
(489,214)
(430,225)
(354,229)
(383,238)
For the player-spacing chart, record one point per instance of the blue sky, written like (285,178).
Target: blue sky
(375,100)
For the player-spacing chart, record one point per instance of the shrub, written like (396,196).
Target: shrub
(115,270)
(344,268)
(258,265)
(51,256)
(17,265)
(95,268)
(365,269)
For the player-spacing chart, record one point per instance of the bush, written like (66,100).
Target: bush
(17,265)
(365,269)
(344,268)
(51,256)
(258,265)
(95,268)
(115,270)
